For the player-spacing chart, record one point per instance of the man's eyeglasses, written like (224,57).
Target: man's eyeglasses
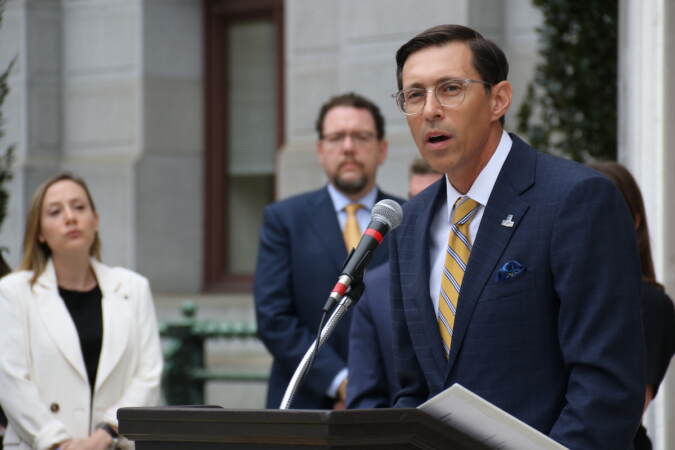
(357,137)
(449,93)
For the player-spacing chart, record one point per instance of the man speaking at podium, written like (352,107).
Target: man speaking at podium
(517,274)
(304,242)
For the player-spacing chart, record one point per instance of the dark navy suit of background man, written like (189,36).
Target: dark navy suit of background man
(548,317)
(302,251)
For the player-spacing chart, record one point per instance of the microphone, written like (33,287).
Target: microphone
(387,215)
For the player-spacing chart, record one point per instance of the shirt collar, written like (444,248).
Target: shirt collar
(340,200)
(482,187)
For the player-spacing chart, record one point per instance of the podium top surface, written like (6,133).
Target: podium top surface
(198,426)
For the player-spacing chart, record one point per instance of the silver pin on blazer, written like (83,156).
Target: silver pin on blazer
(508,222)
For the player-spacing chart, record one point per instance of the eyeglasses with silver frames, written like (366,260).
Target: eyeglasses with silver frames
(449,93)
(357,137)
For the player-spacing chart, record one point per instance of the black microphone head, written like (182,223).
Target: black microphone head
(388,212)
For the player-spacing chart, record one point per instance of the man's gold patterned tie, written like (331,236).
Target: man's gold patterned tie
(456,259)
(351,232)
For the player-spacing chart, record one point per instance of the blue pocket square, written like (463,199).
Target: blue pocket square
(510,269)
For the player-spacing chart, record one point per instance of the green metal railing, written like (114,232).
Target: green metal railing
(184,374)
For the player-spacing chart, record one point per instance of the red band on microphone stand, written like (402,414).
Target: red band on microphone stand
(340,288)
(374,234)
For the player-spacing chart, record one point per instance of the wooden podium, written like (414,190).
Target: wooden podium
(206,427)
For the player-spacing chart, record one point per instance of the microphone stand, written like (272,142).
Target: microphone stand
(340,310)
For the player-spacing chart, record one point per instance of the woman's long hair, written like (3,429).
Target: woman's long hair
(623,180)
(36,253)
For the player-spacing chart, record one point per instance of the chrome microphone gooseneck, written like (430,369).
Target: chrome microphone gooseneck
(339,311)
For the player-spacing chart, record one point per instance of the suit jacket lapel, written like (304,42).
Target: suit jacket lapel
(420,221)
(516,176)
(117,318)
(57,320)
(321,215)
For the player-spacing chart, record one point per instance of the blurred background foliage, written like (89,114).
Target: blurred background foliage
(5,175)
(6,153)
(570,107)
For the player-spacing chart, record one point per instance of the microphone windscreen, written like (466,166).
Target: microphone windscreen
(389,212)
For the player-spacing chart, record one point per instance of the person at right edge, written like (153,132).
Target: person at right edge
(658,317)
(517,274)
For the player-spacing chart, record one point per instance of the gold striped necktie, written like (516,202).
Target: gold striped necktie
(352,231)
(456,259)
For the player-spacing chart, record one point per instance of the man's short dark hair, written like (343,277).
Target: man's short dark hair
(488,59)
(352,100)
(420,167)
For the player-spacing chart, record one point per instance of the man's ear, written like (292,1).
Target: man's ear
(319,150)
(500,99)
(383,149)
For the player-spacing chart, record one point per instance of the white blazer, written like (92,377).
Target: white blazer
(44,388)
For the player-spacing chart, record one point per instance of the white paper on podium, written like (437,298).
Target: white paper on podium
(480,419)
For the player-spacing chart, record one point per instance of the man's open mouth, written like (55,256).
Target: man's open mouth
(437,138)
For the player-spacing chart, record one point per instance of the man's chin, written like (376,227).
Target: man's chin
(350,187)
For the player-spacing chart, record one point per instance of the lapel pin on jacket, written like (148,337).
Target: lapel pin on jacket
(508,222)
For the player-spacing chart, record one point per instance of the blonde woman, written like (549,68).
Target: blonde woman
(79,339)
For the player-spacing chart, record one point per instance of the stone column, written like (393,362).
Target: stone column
(521,20)
(31,33)
(646,139)
(169,180)
(133,126)
(111,90)
(102,112)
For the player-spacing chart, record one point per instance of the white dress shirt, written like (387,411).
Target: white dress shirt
(340,201)
(440,226)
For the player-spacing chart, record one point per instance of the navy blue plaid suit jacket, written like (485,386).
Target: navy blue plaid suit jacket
(560,345)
